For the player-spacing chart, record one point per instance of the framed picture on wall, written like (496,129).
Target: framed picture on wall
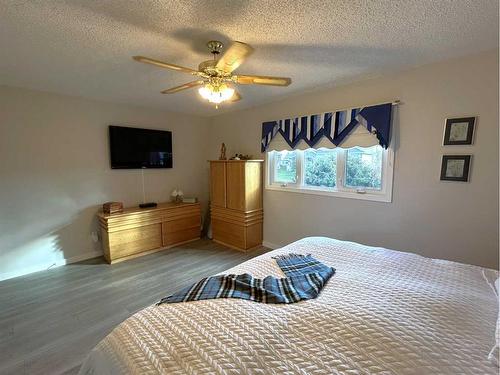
(455,168)
(459,131)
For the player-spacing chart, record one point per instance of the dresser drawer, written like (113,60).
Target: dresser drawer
(181,224)
(136,240)
(173,238)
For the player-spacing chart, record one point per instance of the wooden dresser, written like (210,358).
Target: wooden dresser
(139,231)
(236,202)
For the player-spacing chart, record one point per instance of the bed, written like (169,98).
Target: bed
(384,312)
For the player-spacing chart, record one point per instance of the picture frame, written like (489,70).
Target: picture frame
(455,168)
(459,131)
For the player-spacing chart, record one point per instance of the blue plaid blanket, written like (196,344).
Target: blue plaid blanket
(305,277)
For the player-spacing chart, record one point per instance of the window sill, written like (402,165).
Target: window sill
(367,196)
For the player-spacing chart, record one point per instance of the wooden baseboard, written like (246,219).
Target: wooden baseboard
(237,248)
(230,246)
(271,245)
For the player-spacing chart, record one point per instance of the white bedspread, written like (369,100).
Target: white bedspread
(384,312)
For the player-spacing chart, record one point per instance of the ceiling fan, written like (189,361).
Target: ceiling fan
(215,77)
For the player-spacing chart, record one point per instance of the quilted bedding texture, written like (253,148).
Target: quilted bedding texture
(384,312)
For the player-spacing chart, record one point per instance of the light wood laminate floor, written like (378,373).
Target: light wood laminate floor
(50,320)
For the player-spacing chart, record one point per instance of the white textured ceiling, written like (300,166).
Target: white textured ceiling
(84,47)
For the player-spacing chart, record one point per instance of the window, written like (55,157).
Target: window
(285,167)
(358,172)
(320,168)
(363,167)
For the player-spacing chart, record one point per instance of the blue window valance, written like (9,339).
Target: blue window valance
(334,126)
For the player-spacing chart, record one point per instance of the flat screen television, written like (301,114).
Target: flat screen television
(135,148)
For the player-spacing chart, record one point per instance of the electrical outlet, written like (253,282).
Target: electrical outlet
(95,236)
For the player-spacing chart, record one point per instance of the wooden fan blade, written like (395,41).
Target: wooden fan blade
(236,96)
(186,86)
(263,80)
(162,64)
(234,56)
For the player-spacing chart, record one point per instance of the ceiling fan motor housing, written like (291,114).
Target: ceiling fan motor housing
(207,66)
(215,46)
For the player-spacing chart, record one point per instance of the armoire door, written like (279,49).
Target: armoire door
(235,186)
(253,186)
(218,184)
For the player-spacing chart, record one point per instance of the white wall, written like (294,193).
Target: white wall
(54,173)
(54,168)
(449,220)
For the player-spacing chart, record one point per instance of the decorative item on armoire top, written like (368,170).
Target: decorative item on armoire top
(241,157)
(455,168)
(459,131)
(189,200)
(112,207)
(223,152)
(177,195)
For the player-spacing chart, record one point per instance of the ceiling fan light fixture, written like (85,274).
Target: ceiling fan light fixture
(216,94)
(214,75)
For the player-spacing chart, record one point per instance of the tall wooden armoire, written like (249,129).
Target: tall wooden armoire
(236,202)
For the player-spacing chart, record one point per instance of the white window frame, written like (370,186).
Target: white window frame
(341,191)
